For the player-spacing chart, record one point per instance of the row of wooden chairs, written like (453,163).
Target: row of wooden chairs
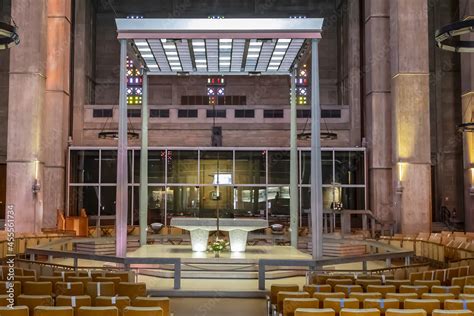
(90,288)
(355,293)
(291,304)
(82,311)
(77,302)
(376,312)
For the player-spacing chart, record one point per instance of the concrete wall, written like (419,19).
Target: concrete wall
(5,9)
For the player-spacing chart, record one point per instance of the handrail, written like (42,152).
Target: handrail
(127,262)
(313,264)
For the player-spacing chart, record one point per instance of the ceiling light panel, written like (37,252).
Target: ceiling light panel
(265,55)
(237,55)
(199,50)
(212,49)
(291,54)
(184,55)
(171,50)
(158,51)
(147,54)
(225,51)
(253,55)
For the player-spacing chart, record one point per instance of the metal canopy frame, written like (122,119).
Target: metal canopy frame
(224,47)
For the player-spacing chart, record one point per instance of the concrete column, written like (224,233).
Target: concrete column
(378,107)
(25,108)
(144,164)
(56,108)
(354,74)
(411,114)
(467,95)
(293,164)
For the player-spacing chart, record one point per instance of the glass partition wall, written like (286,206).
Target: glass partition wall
(196,182)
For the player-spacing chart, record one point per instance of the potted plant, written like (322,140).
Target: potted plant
(218,246)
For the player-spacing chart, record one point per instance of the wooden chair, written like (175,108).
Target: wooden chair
(441,297)
(291,304)
(382,289)
(75,302)
(14,311)
(339,303)
(401,297)
(418,289)
(382,304)
(37,288)
(32,301)
(316,288)
(124,276)
(132,290)
(315,312)
(456,290)
(69,288)
(348,289)
(405,312)
(459,304)
(322,296)
(142,311)
(97,289)
(95,311)
(426,304)
(118,301)
(361,297)
(282,295)
(440,312)
(162,302)
(54,311)
(359,312)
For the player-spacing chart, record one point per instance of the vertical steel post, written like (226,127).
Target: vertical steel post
(293,164)
(144,164)
(316,172)
(122,171)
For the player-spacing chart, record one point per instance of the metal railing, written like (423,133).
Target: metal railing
(319,263)
(126,262)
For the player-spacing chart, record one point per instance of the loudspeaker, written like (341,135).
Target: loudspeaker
(216,139)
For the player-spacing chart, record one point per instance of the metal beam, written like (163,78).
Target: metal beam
(316,173)
(293,164)
(144,164)
(122,171)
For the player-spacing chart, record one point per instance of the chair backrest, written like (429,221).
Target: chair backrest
(33,301)
(466,296)
(37,288)
(54,311)
(313,288)
(14,311)
(132,289)
(142,311)
(348,289)
(361,297)
(74,301)
(162,302)
(322,296)
(119,301)
(418,289)
(416,276)
(334,282)
(428,283)
(69,288)
(83,279)
(381,304)
(339,303)
(283,294)
(5,287)
(456,290)
(365,282)
(405,312)
(275,288)
(440,312)
(52,279)
(291,304)
(397,283)
(98,311)
(459,281)
(441,297)
(459,304)
(382,289)
(64,274)
(95,289)
(427,304)
(315,312)
(124,276)
(359,312)
(116,280)
(468,289)
(90,274)
(401,297)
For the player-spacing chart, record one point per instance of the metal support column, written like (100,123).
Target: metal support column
(144,164)
(122,172)
(316,172)
(293,165)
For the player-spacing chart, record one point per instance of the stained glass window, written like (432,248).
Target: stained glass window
(215,89)
(302,86)
(134,84)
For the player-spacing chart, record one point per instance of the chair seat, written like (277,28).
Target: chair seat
(98,311)
(162,302)
(382,304)
(291,304)
(440,312)
(359,312)
(315,312)
(142,311)
(14,311)
(323,296)
(405,312)
(427,304)
(54,311)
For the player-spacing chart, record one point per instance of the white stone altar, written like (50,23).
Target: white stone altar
(238,229)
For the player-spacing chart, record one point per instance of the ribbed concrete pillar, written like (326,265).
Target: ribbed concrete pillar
(411,114)
(354,48)
(467,84)
(56,108)
(378,107)
(26,105)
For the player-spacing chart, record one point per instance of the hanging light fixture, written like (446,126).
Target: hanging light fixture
(8,35)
